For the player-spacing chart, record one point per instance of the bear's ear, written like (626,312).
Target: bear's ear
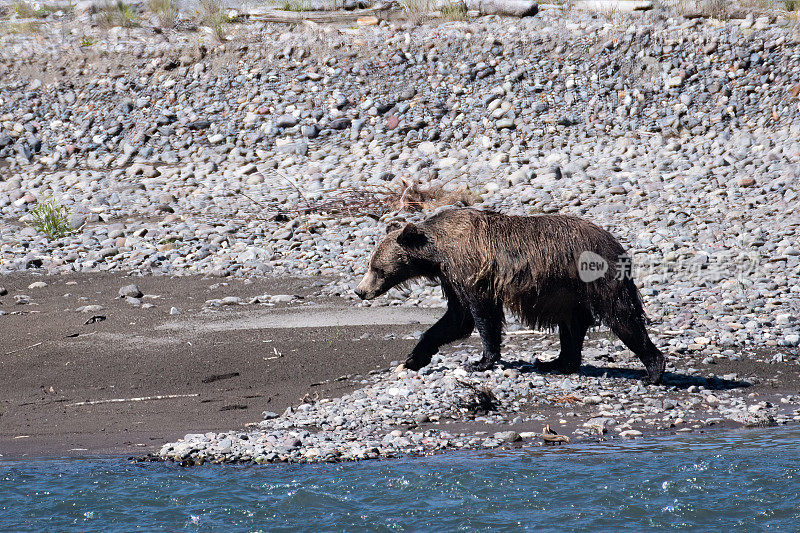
(393,226)
(412,237)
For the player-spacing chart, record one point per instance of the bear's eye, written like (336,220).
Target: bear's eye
(379,272)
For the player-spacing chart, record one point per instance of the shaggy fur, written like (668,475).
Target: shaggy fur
(486,261)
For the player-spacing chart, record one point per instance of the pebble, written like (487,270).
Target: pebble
(507,436)
(130,291)
(287,121)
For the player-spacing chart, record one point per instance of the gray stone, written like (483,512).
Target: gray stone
(507,436)
(287,121)
(130,291)
(505,123)
(310,131)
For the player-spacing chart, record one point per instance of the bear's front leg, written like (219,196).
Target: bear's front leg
(455,324)
(488,317)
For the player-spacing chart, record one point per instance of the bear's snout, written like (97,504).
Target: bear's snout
(366,289)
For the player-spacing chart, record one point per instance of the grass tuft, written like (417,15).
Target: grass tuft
(118,14)
(213,15)
(51,218)
(34,10)
(23,10)
(416,6)
(165,10)
(454,11)
(295,5)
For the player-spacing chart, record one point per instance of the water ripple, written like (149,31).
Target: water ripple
(744,480)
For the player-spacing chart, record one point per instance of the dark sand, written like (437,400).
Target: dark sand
(231,374)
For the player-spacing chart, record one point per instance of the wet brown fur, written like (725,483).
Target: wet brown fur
(531,263)
(486,260)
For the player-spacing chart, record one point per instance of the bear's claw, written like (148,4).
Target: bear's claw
(415,364)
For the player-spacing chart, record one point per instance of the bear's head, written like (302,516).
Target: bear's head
(405,253)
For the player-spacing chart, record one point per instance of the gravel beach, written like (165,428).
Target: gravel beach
(284,151)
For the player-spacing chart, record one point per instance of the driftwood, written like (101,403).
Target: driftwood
(512,8)
(323,17)
(551,437)
(509,8)
(611,6)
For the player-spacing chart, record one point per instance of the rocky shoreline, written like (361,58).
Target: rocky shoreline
(399,412)
(286,150)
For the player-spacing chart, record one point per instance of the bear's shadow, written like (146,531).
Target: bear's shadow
(670,379)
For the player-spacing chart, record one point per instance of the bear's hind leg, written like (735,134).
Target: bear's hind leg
(455,324)
(489,319)
(634,335)
(571,333)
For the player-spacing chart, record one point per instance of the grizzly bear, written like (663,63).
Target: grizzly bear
(549,270)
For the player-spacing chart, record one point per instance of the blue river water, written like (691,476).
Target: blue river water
(745,480)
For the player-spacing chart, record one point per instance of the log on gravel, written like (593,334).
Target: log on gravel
(323,17)
(510,8)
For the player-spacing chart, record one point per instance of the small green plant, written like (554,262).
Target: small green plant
(24,10)
(791,5)
(454,11)
(28,10)
(295,5)
(416,6)
(118,14)
(165,10)
(51,218)
(86,41)
(213,15)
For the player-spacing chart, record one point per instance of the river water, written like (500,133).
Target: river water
(748,480)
